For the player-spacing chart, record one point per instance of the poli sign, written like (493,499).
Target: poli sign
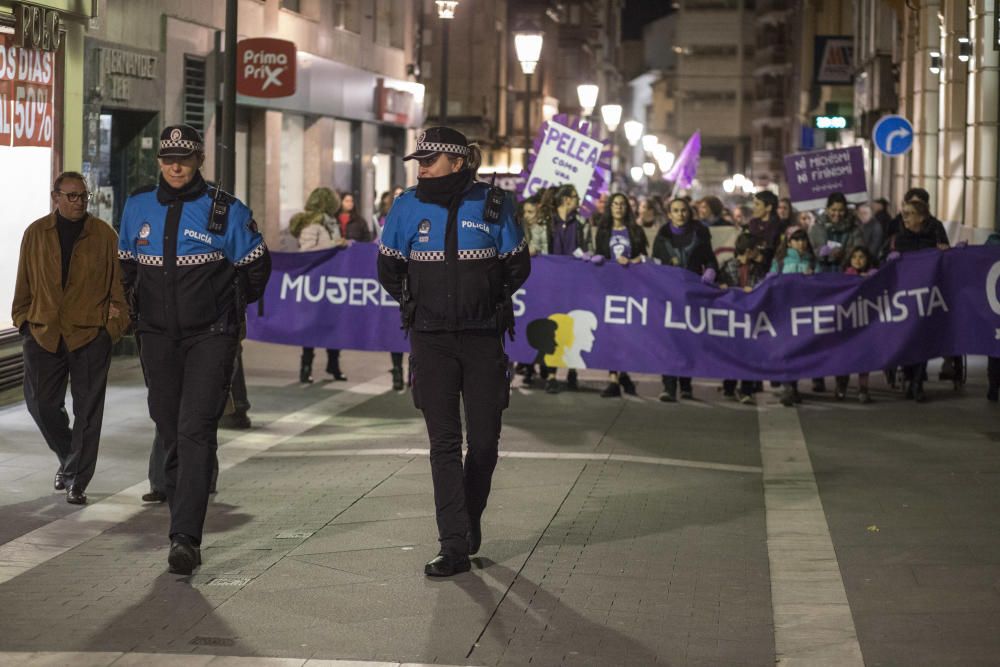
(893,135)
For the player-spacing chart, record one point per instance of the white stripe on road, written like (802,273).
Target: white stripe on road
(105,659)
(56,538)
(812,618)
(553,456)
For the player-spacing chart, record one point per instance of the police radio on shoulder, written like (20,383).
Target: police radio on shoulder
(494,202)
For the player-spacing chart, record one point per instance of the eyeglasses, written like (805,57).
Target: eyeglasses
(428,161)
(75,196)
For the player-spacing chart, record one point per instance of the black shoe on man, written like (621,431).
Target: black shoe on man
(154,497)
(59,483)
(447,565)
(571,382)
(76,496)
(238,420)
(184,555)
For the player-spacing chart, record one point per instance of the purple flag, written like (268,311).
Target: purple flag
(659,319)
(686,166)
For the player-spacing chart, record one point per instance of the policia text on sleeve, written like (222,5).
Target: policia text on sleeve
(452,254)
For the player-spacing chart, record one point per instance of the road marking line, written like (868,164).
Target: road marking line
(107,658)
(56,538)
(812,617)
(554,456)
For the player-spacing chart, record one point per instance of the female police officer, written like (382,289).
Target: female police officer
(192,259)
(452,254)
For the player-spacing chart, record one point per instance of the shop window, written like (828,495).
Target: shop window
(342,155)
(292,5)
(194,92)
(292,188)
(347,15)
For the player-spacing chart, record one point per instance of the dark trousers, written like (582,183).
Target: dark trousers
(188,383)
(238,390)
(157,467)
(747,387)
(447,367)
(915,374)
(993,373)
(332,359)
(670,384)
(46,375)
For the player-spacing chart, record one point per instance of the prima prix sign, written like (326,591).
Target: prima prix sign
(265,67)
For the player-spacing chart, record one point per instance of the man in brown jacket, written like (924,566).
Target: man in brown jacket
(70,308)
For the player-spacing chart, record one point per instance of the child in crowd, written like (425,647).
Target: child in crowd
(794,255)
(744,271)
(859,263)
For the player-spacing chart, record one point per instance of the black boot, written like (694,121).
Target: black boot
(333,365)
(305,373)
(397,378)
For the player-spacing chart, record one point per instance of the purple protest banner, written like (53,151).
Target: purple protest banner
(659,319)
(813,176)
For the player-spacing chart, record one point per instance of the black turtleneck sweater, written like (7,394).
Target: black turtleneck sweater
(69,232)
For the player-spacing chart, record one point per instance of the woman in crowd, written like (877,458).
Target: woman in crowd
(352,226)
(834,234)
(745,270)
(315,229)
(686,245)
(806,219)
(536,232)
(794,255)
(619,238)
(860,262)
(384,204)
(918,232)
(786,213)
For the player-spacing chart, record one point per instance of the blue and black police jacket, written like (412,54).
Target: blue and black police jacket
(181,278)
(452,273)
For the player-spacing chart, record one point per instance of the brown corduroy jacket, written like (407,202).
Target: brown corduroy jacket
(79,312)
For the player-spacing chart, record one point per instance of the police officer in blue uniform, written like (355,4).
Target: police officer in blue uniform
(192,258)
(452,254)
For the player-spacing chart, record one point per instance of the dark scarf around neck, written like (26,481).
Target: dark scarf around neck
(166,194)
(443,190)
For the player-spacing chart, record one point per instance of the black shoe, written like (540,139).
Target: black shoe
(305,374)
(571,381)
(154,497)
(446,565)
(687,394)
(475,535)
(76,496)
(184,556)
(336,374)
(59,483)
(613,390)
(627,385)
(397,379)
(551,386)
(667,397)
(236,420)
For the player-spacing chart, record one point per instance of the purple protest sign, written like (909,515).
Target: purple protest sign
(658,319)
(569,151)
(813,176)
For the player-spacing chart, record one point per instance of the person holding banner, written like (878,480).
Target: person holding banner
(834,234)
(618,238)
(452,254)
(686,245)
(569,237)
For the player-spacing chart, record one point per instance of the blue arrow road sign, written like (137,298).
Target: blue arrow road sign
(893,135)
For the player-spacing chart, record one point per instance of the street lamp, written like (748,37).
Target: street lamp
(446,12)
(637,173)
(664,158)
(529,49)
(587,94)
(648,168)
(633,131)
(612,114)
(649,142)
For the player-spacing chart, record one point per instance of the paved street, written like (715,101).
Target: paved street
(619,532)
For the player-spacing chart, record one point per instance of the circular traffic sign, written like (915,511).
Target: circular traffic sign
(893,135)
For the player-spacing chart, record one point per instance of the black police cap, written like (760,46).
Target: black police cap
(180,141)
(436,140)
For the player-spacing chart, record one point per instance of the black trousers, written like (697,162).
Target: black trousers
(238,390)
(670,383)
(993,373)
(46,375)
(158,469)
(447,367)
(188,383)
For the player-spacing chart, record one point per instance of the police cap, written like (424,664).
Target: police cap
(180,141)
(436,140)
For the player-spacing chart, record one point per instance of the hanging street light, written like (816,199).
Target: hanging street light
(649,142)
(648,168)
(587,94)
(633,131)
(529,49)
(446,8)
(637,173)
(612,114)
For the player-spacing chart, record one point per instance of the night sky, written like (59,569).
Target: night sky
(638,13)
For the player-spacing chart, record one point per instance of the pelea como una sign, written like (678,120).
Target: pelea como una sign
(265,67)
